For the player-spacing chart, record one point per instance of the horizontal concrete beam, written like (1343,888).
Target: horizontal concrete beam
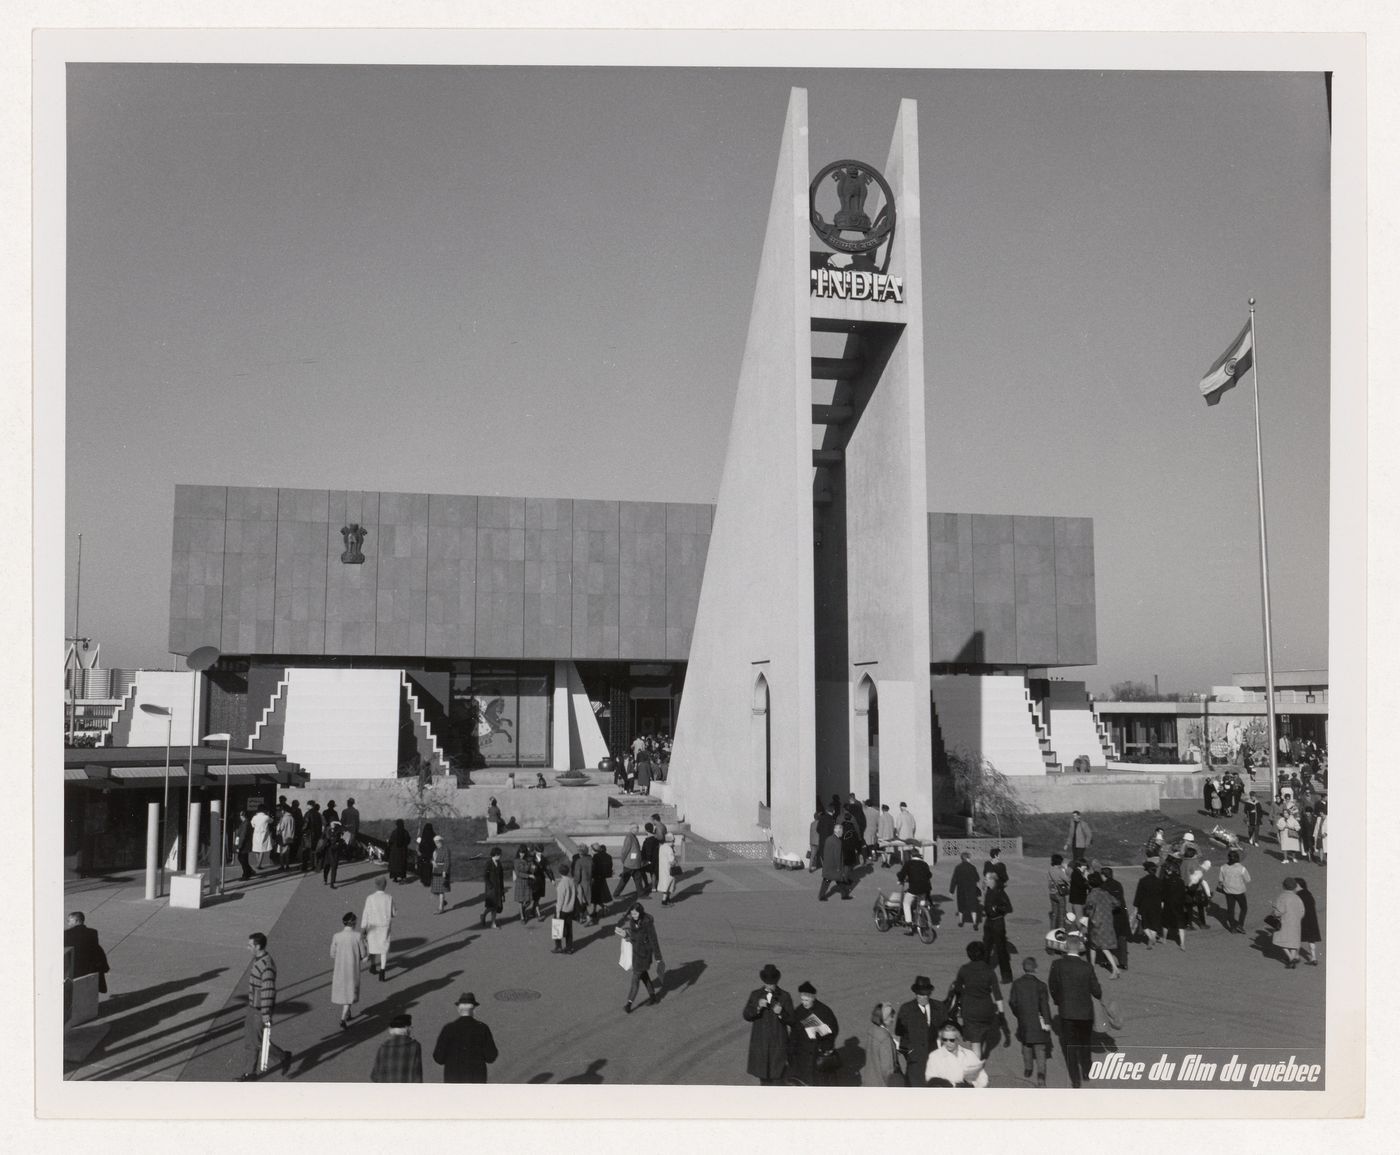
(827,457)
(836,368)
(831,414)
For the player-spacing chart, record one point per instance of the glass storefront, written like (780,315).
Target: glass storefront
(499,714)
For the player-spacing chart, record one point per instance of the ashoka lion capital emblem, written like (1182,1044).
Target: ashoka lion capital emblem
(853,179)
(354,537)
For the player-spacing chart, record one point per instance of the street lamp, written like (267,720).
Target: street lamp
(223,814)
(169,715)
(198,661)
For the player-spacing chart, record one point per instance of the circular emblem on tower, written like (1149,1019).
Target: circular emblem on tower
(851,229)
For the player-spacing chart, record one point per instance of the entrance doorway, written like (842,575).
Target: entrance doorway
(761,737)
(868,733)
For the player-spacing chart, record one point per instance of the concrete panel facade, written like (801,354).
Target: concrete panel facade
(197,567)
(1011,591)
(259,571)
(450,608)
(401,592)
(350,589)
(549,577)
(301,571)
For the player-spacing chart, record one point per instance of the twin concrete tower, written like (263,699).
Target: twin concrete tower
(808,670)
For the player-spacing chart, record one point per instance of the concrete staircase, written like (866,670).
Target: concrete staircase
(270,729)
(991,715)
(1075,727)
(428,749)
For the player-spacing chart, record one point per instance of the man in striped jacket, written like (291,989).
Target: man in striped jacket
(262,998)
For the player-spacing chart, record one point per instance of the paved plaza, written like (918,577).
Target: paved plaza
(175,1010)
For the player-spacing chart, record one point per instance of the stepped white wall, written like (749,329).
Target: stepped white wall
(343,723)
(1073,725)
(132,726)
(989,714)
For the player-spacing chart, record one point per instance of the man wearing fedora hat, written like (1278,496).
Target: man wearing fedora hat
(769,1009)
(400,1056)
(465,1046)
(916,1026)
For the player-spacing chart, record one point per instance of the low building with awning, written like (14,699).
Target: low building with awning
(106,793)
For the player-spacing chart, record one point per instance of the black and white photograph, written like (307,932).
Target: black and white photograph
(813,571)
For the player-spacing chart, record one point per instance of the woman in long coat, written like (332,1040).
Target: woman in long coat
(1289,910)
(643,775)
(425,854)
(520,885)
(639,929)
(882,1066)
(1311,930)
(807,1052)
(347,952)
(399,840)
(540,876)
(442,872)
(601,889)
(1147,901)
(493,899)
(376,922)
(769,1009)
(1289,826)
(1122,925)
(665,859)
(1103,938)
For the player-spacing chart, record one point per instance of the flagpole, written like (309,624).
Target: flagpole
(1264,567)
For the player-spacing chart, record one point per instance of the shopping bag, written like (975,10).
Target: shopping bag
(556,928)
(266,1050)
(624,959)
(1106,1017)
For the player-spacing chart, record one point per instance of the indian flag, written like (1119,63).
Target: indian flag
(1229,367)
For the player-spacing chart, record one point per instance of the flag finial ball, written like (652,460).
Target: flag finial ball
(1251,302)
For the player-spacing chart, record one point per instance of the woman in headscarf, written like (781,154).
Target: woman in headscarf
(1288,912)
(1147,901)
(425,854)
(1122,925)
(376,923)
(639,929)
(521,866)
(347,952)
(665,860)
(442,872)
(882,1063)
(1103,939)
(1311,931)
(399,841)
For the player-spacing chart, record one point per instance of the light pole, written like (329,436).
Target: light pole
(169,715)
(223,814)
(198,661)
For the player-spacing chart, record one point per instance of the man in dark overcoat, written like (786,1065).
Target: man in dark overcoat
(465,1046)
(966,888)
(494,895)
(1074,986)
(835,874)
(88,956)
(916,1026)
(769,1009)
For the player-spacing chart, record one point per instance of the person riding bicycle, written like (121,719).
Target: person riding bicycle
(916,881)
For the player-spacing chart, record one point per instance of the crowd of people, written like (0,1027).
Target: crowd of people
(646,761)
(923,1041)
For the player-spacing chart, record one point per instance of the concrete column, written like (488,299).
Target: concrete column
(217,838)
(562,746)
(153,872)
(192,840)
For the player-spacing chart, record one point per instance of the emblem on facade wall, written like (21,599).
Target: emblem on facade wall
(851,230)
(354,536)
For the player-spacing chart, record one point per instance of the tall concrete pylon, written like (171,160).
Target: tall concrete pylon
(816,583)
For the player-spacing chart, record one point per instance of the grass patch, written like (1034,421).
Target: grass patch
(1118,838)
(466,839)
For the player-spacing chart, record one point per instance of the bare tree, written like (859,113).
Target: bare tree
(423,796)
(984,791)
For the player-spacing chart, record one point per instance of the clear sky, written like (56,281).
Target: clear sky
(537,282)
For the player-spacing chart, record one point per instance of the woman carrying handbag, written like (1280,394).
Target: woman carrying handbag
(640,949)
